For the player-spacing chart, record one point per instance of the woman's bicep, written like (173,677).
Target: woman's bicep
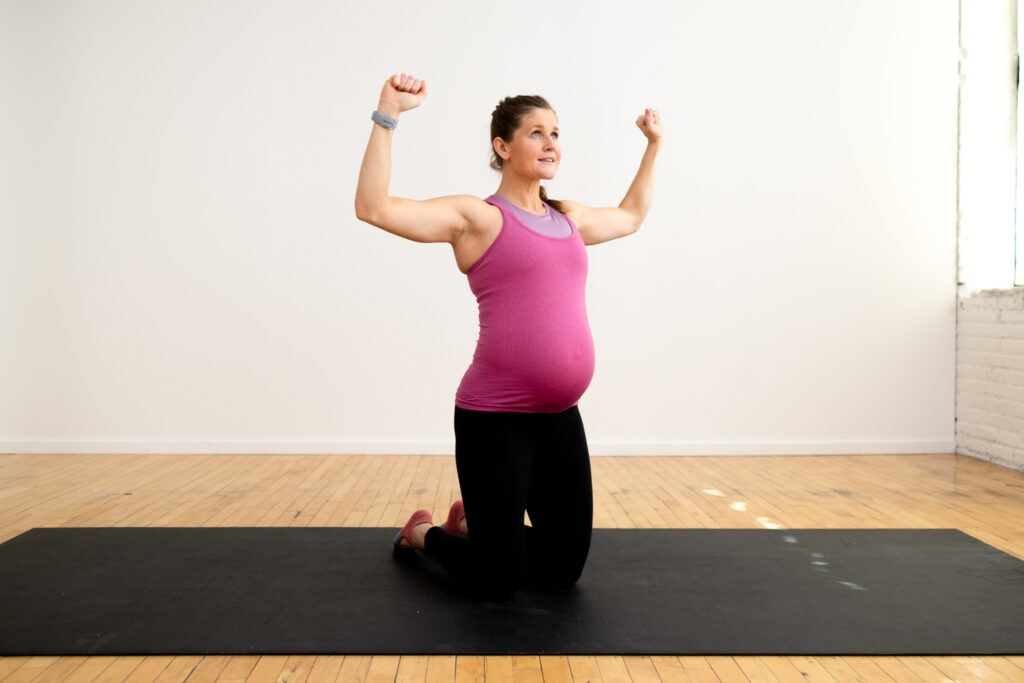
(597,225)
(440,219)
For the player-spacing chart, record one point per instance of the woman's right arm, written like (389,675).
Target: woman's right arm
(443,219)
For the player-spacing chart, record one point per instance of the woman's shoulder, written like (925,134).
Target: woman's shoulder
(466,202)
(472,209)
(485,212)
(478,215)
(572,209)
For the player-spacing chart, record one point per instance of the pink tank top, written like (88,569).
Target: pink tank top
(535,352)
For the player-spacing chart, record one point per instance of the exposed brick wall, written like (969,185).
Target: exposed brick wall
(990,376)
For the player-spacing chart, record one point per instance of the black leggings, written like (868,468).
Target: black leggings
(508,464)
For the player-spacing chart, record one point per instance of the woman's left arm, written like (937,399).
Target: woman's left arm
(598,225)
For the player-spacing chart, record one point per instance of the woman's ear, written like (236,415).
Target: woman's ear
(500,148)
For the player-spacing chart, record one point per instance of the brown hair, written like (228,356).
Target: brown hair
(506,119)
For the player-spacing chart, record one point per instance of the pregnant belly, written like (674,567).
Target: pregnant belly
(529,376)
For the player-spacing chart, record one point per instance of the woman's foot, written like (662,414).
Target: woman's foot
(413,535)
(456,522)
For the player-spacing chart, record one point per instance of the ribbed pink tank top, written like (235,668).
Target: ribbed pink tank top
(535,352)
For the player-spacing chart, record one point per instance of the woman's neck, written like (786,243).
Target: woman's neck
(524,195)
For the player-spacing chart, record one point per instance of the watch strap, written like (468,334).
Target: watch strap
(384,121)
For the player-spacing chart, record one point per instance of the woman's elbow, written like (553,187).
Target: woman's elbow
(632,226)
(361,213)
(368,212)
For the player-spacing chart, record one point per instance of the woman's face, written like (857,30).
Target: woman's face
(534,150)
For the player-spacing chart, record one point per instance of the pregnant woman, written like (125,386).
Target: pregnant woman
(520,446)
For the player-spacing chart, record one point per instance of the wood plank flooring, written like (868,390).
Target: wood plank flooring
(926,491)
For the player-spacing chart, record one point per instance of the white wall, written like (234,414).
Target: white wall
(182,270)
(990,377)
(987,190)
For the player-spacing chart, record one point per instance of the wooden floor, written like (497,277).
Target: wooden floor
(928,491)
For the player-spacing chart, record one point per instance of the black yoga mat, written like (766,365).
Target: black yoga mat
(338,590)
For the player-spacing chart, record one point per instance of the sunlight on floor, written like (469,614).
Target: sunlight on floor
(741,506)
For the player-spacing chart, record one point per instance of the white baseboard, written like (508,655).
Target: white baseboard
(447,447)
(232,447)
(915,446)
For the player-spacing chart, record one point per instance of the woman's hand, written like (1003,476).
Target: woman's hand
(649,124)
(401,92)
